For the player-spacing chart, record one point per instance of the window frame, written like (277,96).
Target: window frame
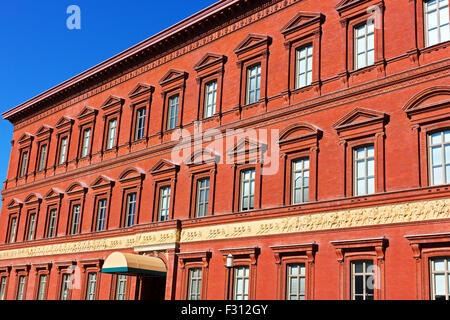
(4,274)
(41,162)
(189,260)
(12,217)
(249,77)
(366,45)
(425,24)
(23,170)
(70,224)
(443,144)
(31,224)
(366,160)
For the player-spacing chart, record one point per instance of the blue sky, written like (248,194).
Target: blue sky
(38,51)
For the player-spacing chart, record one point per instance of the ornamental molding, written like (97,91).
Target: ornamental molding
(363,217)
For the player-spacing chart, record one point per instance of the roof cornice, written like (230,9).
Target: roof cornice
(103,66)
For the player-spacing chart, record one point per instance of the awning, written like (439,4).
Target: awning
(133,264)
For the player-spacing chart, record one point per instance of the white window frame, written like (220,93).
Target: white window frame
(195,284)
(3,287)
(65,286)
(91,285)
(139,133)
(102,205)
(253,77)
(12,230)
(21,287)
(42,156)
(440,26)
(366,279)
(202,201)
(23,164)
(63,150)
(121,287)
(210,99)
(31,226)
(42,286)
(86,142)
(164,203)
(366,51)
(300,277)
(243,280)
(242,194)
(172,111)
(75,219)
(112,132)
(304,54)
(302,174)
(51,229)
(445,273)
(130,213)
(445,162)
(366,159)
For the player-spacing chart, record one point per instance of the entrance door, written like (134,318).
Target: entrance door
(153,288)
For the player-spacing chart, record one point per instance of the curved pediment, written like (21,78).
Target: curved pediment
(298,130)
(202,156)
(428,98)
(131,173)
(33,198)
(77,187)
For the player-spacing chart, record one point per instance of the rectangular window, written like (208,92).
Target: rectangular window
(51,228)
(439,155)
(75,222)
(172,112)
(440,278)
(31,225)
(23,164)
(130,209)
(304,66)
(247,194)
(164,203)
(436,19)
(241,283)
(210,99)
(365,45)
(295,281)
(63,150)
(300,181)
(195,284)
(91,286)
(86,142)
(3,288)
(202,197)
(42,157)
(364,170)
(140,124)
(65,286)
(111,138)
(21,288)
(41,287)
(101,215)
(253,84)
(12,230)
(121,287)
(362,278)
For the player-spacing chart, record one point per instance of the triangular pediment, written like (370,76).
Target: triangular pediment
(87,111)
(359,116)
(209,59)
(102,180)
(53,193)
(43,130)
(25,137)
(14,203)
(247,145)
(250,41)
(205,155)
(163,165)
(63,121)
(172,75)
(344,4)
(140,89)
(300,20)
(112,100)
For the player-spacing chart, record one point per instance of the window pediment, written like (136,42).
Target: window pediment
(44,132)
(26,138)
(246,150)
(252,45)
(141,90)
(64,123)
(102,181)
(299,136)
(164,166)
(302,24)
(349,8)
(54,193)
(76,188)
(112,105)
(33,198)
(173,78)
(428,105)
(360,122)
(210,62)
(88,114)
(131,174)
(14,204)
(202,156)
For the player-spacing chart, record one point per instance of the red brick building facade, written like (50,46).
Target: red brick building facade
(95,206)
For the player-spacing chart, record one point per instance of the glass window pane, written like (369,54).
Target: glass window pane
(436,138)
(433,37)
(439,265)
(360,169)
(437,155)
(439,284)
(371,186)
(438,175)
(359,284)
(447,136)
(360,187)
